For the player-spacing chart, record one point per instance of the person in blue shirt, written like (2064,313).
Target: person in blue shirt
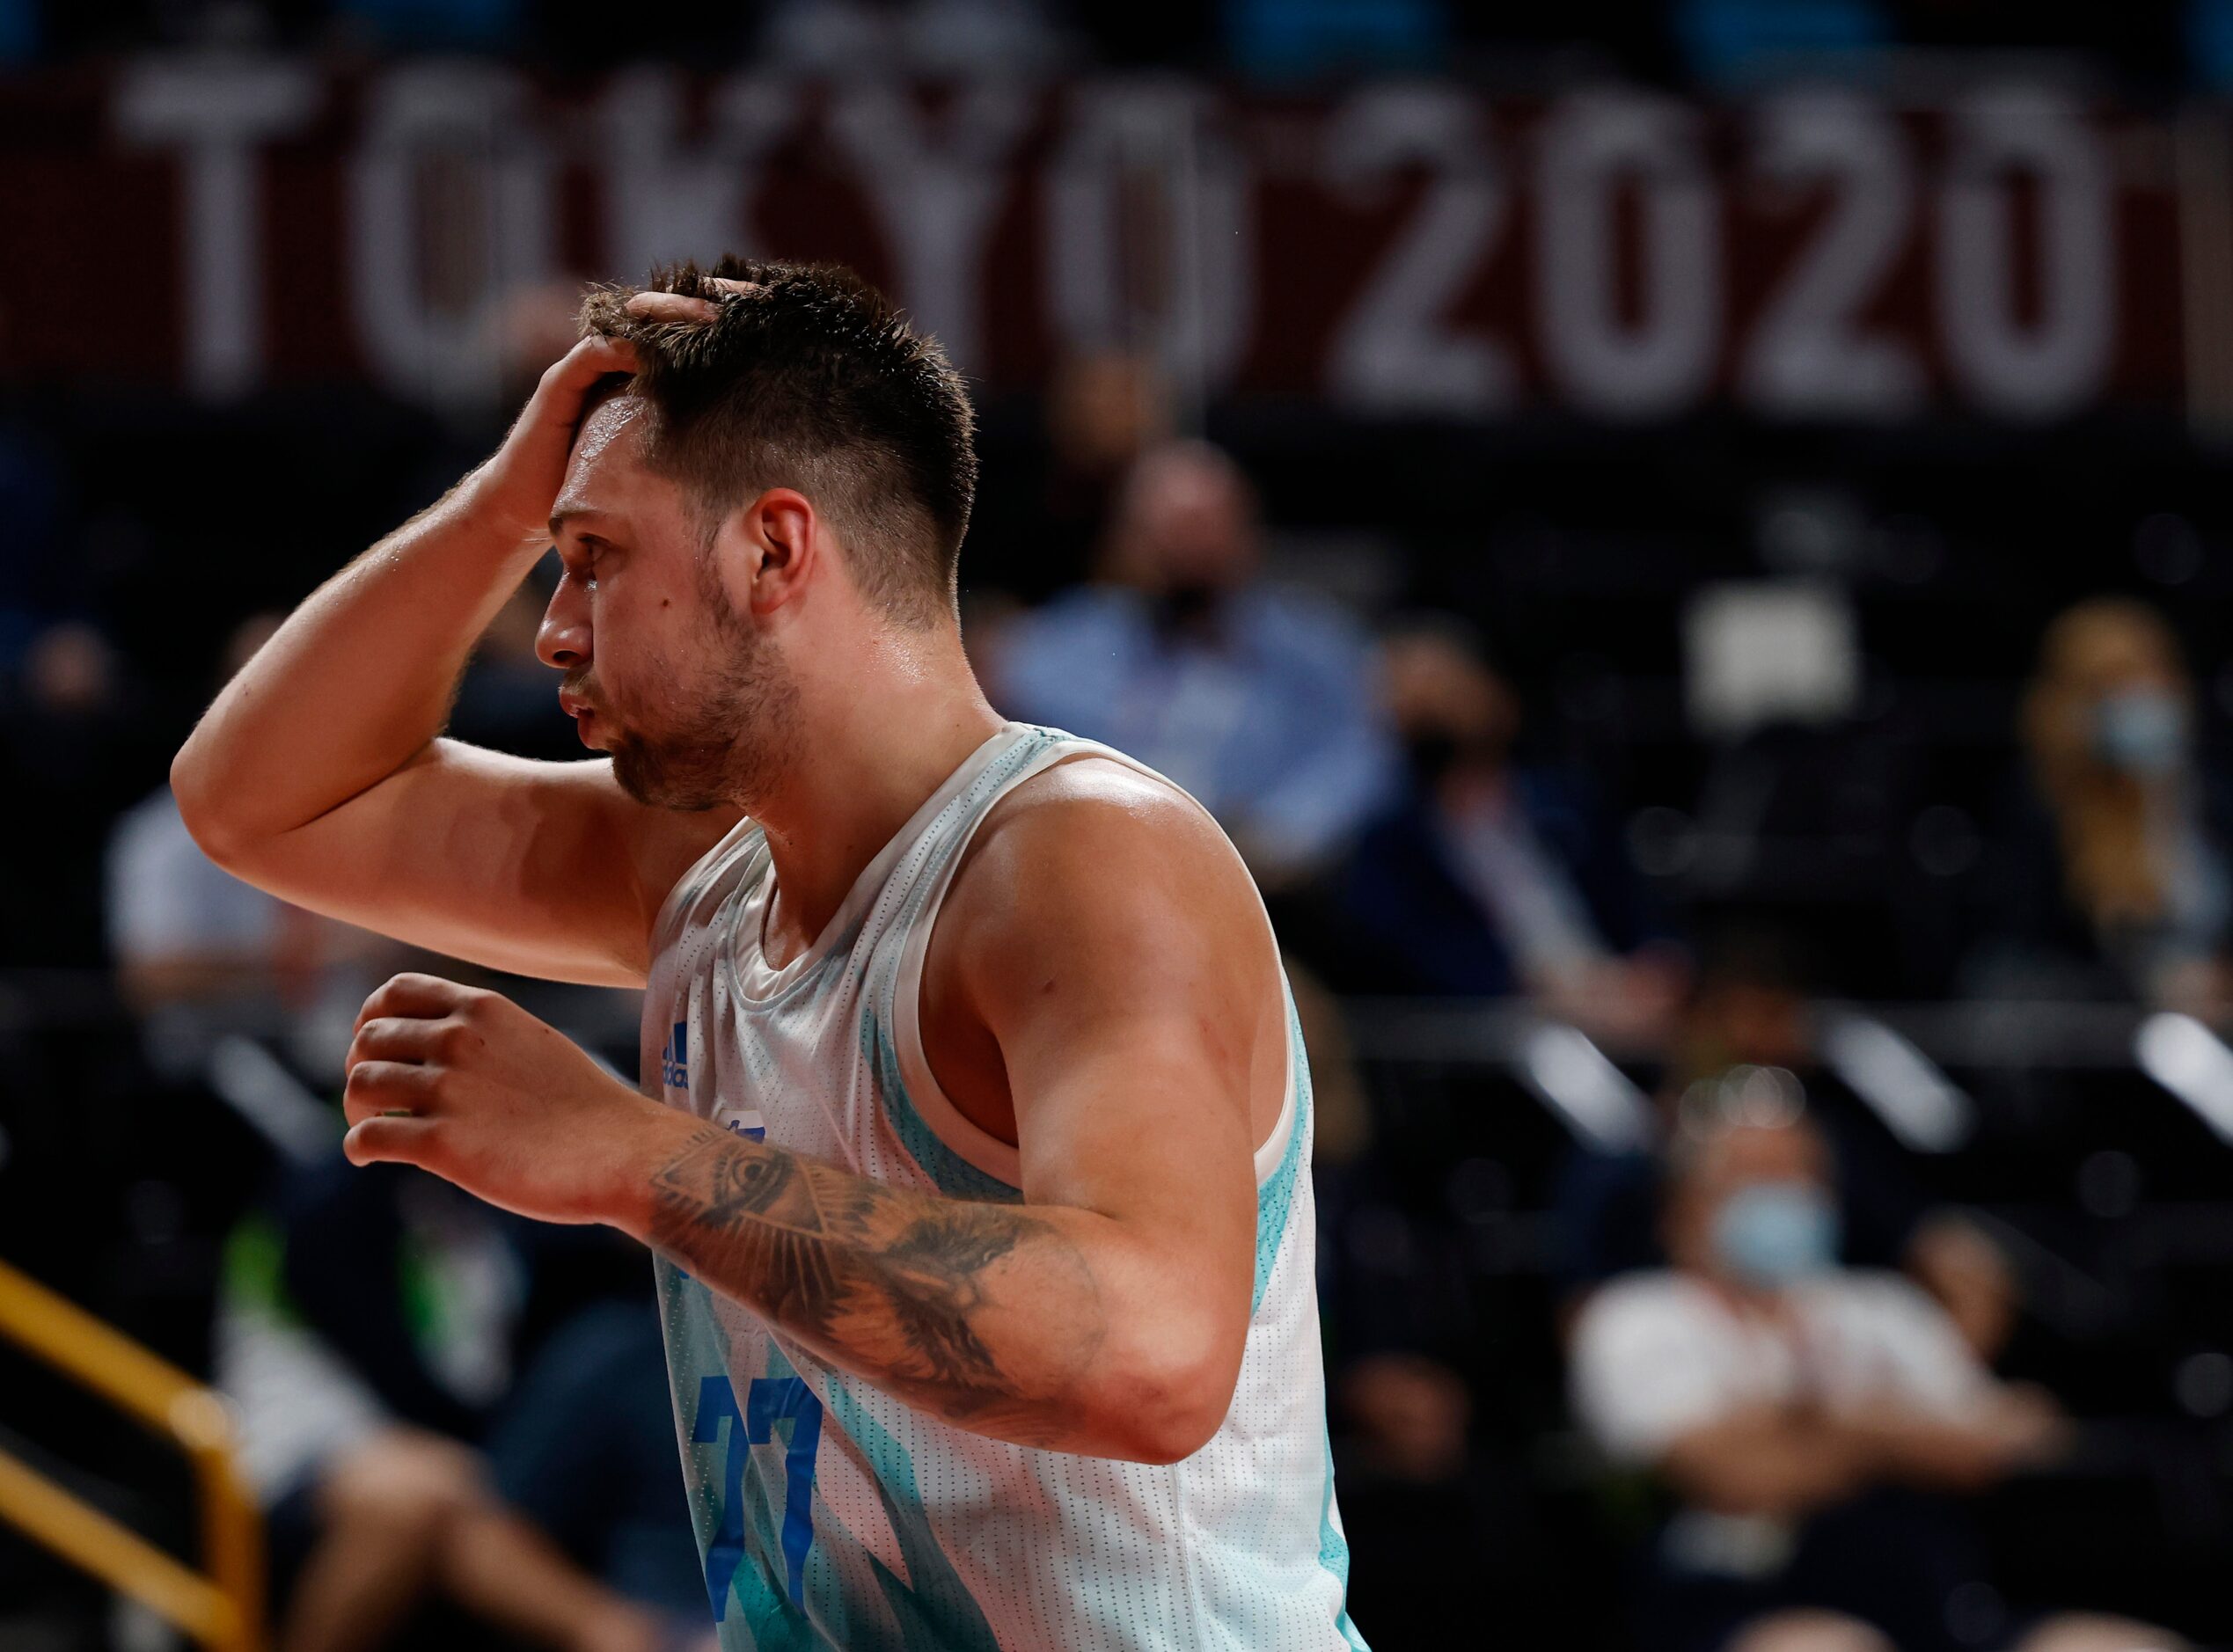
(1256,697)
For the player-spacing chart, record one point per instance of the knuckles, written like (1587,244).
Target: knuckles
(369,1036)
(370,1144)
(374,1079)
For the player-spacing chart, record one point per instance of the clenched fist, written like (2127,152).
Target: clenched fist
(464,1083)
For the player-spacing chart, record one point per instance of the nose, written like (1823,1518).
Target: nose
(562,640)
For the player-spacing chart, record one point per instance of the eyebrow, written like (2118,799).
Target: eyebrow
(576,514)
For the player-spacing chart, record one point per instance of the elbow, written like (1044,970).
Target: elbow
(204,820)
(1178,1431)
(1165,1404)
(195,811)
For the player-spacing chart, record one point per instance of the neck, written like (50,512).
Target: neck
(878,731)
(1731,1292)
(1750,1301)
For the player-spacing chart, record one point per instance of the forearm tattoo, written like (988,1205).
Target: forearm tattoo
(889,1282)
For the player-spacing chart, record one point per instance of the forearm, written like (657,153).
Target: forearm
(357,681)
(1939,1455)
(1029,1324)
(1771,1462)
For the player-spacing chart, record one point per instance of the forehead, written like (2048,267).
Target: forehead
(607,471)
(1194,487)
(1757,1153)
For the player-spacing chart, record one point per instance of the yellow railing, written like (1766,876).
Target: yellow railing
(221,1606)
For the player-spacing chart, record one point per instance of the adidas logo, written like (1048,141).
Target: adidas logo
(674,1060)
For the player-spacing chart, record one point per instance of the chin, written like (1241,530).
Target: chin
(651,781)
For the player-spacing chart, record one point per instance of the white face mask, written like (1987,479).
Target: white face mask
(1774,1234)
(2140,730)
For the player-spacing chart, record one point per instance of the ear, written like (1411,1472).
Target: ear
(778,535)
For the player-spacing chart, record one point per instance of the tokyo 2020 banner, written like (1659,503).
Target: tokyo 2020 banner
(1407,250)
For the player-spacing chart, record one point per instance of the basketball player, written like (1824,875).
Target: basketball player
(974,1137)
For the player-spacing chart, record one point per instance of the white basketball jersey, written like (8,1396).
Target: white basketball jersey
(832,1515)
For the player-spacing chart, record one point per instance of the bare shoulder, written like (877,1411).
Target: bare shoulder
(1101,924)
(1093,854)
(1093,821)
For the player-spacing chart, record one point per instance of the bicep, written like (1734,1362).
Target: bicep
(532,867)
(1131,1118)
(1124,977)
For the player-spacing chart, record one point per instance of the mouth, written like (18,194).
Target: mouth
(582,718)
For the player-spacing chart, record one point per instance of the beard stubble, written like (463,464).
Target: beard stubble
(733,732)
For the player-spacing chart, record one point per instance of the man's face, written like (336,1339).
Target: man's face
(1447,706)
(1195,529)
(662,672)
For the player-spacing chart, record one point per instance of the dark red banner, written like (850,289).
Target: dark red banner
(1403,249)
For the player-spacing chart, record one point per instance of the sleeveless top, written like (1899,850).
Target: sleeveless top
(831,1513)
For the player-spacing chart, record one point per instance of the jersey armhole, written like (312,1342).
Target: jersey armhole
(974,1143)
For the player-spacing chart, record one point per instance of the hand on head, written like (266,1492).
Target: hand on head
(675,307)
(514,487)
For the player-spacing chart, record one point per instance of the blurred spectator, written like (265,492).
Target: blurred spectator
(362,1337)
(1256,699)
(1485,878)
(1103,411)
(1748,1030)
(1808,1419)
(584,1447)
(2112,878)
(198,954)
(1407,1416)
(1405,1413)
(1420,1503)
(1049,489)
(77,737)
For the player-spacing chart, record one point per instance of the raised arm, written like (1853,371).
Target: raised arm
(317,773)
(1114,954)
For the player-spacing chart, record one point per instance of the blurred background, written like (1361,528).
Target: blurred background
(1687,540)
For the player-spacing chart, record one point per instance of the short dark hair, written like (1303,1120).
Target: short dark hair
(811,379)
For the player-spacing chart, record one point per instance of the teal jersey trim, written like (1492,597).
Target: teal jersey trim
(1279,1192)
(935,1609)
(955,1175)
(952,1173)
(1333,1554)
